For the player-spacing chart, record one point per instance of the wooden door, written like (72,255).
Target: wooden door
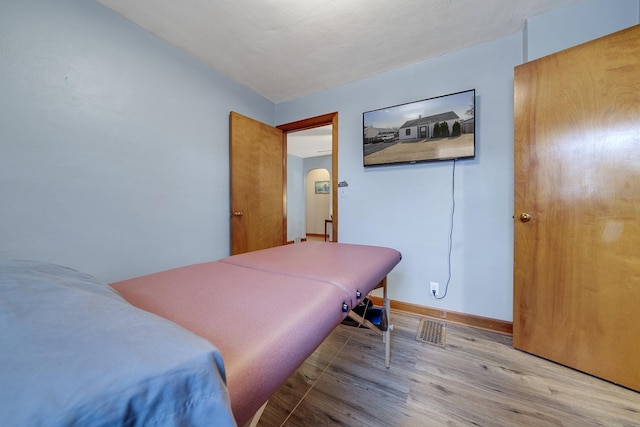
(577,176)
(257,158)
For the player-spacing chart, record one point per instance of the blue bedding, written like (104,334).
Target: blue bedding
(74,353)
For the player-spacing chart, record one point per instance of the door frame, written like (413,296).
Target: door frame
(310,123)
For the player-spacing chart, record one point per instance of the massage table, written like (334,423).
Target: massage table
(266,311)
(335,264)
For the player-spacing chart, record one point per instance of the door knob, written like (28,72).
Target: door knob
(525,217)
(238,213)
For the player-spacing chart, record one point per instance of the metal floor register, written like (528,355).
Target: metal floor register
(432,332)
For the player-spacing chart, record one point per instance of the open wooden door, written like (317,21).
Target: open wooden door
(577,208)
(257,157)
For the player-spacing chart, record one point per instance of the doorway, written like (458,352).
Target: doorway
(327,125)
(422,132)
(318,204)
(308,183)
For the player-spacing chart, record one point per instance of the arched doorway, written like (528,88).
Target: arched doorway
(318,206)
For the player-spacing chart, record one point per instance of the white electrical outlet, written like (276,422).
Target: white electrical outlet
(434,287)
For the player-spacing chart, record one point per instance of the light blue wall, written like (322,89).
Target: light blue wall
(409,207)
(572,25)
(114,144)
(114,151)
(295,198)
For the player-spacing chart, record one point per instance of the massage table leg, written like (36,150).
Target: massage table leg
(253,422)
(386,335)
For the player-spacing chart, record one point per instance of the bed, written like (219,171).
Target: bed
(74,353)
(251,319)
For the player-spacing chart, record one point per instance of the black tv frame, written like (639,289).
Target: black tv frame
(414,132)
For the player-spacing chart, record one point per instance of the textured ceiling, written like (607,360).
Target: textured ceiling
(310,143)
(285,49)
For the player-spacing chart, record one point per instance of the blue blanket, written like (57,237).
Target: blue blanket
(73,352)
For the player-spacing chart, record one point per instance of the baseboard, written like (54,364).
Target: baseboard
(493,325)
(304,239)
(291,242)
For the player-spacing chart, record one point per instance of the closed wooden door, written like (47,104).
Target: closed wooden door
(257,184)
(577,208)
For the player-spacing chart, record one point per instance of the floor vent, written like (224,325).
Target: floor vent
(432,332)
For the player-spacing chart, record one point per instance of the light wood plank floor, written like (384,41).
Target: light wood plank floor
(478,379)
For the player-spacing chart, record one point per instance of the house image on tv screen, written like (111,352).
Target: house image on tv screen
(427,127)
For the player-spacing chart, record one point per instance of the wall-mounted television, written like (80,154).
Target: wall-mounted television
(440,128)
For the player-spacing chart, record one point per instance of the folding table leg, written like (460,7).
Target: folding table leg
(386,337)
(386,334)
(253,422)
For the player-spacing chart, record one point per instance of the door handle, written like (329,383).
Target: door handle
(525,217)
(238,213)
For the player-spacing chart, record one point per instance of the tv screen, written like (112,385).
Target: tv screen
(440,128)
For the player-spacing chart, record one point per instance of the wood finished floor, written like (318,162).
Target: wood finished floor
(478,379)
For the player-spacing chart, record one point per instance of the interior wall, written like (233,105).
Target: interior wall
(296,221)
(409,207)
(319,162)
(297,169)
(318,206)
(569,26)
(115,151)
(114,143)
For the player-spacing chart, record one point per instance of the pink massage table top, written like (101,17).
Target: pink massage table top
(265,323)
(355,268)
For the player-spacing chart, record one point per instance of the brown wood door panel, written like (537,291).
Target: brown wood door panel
(577,173)
(257,181)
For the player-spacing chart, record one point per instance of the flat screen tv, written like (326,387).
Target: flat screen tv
(440,128)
